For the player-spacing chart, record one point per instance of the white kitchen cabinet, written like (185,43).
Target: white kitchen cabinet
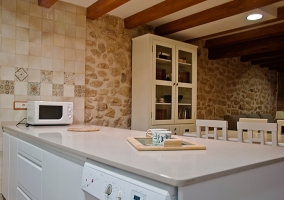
(9,173)
(71,177)
(164,83)
(50,174)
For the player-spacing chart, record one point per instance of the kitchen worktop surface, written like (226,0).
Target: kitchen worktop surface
(177,168)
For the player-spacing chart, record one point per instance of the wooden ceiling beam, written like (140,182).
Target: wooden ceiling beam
(46,3)
(101,7)
(262,56)
(274,64)
(281,67)
(268,31)
(269,60)
(245,48)
(157,11)
(279,19)
(216,13)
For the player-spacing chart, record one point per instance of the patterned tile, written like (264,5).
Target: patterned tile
(46,76)
(57,90)
(79,90)
(7,87)
(21,74)
(33,89)
(69,78)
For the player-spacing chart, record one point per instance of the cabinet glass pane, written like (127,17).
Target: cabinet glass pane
(184,103)
(163,103)
(163,63)
(184,67)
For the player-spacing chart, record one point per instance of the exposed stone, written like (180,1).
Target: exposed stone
(90,59)
(101,106)
(95,52)
(89,92)
(125,91)
(99,115)
(112,91)
(110,112)
(96,83)
(93,35)
(110,61)
(118,122)
(102,47)
(104,57)
(123,78)
(115,71)
(89,106)
(106,79)
(103,66)
(125,112)
(99,98)
(104,91)
(114,101)
(90,43)
(102,73)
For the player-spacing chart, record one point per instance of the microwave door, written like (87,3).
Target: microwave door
(47,112)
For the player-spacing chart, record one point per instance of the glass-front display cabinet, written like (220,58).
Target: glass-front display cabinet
(163,82)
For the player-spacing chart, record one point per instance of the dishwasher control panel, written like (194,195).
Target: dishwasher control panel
(105,182)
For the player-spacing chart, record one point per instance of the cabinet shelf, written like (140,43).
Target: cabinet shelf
(162,61)
(184,64)
(184,104)
(166,104)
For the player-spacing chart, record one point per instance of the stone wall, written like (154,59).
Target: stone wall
(108,71)
(229,86)
(280,98)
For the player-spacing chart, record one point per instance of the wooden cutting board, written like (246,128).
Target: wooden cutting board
(173,144)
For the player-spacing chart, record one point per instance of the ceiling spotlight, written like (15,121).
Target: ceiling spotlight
(254,16)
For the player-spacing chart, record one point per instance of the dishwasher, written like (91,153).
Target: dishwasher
(103,182)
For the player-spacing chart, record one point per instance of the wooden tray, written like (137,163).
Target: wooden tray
(145,144)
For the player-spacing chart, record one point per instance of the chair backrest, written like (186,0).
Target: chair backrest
(256,126)
(280,123)
(253,120)
(211,124)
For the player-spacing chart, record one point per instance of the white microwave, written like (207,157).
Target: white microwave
(49,113)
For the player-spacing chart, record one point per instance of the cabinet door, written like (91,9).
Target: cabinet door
(71,178)
(5,169)
(185,86)
(13,167)
(163,90)
(50,174)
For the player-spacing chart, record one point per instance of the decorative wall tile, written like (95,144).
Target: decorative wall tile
(21,88)
(57,90)
(46,76)
(21,74)
(33,89)
(46,89)
(34,75)
(7,73)
(68,90)
(79,91)
(69,78)
(6,87)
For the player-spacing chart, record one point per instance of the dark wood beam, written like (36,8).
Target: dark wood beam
(281,67)
(157,11)
(46,3)
(279,19)
(275,64)
(245,48)
(267,61)
(268,31)
(101,7)
(262,56)
(216,13)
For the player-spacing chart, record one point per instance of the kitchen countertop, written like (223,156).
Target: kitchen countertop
(177,168)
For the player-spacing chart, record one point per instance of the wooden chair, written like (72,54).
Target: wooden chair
(215,124)
(280,138)
(261,128)
(255,133)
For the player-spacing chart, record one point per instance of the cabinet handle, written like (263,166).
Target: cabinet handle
(174,83)
(177,84)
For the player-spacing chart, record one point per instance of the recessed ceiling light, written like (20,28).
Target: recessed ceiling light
(254,16)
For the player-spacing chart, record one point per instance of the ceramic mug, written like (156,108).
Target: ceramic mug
(153,134)
(162,136)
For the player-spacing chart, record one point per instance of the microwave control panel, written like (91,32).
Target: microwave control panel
(105,182)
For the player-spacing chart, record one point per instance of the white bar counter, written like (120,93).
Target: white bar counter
(177,168)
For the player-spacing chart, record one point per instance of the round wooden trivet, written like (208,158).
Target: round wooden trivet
(83,129)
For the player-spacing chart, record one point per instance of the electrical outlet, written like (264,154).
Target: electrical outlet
(20,105)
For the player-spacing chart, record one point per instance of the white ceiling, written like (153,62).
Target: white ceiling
(134,6)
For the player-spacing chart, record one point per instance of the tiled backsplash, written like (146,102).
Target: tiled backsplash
(42,55)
